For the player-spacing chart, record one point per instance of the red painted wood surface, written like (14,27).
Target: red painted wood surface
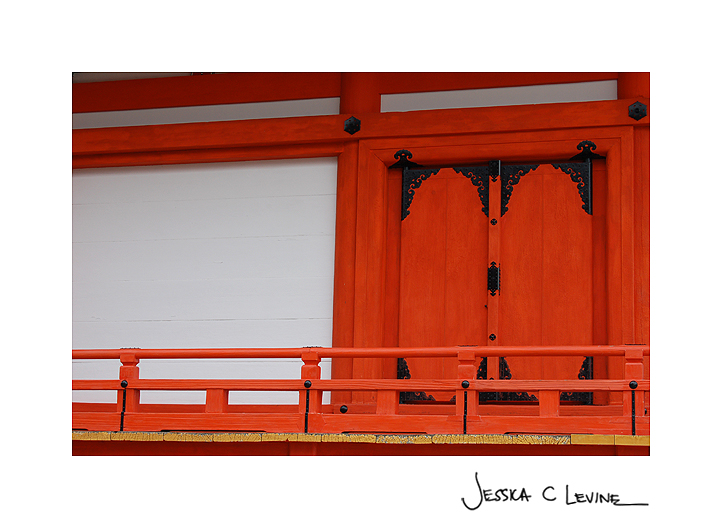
(444,246)
(546,267)
(380,411)
(252,87)
(97,448)
(369,277)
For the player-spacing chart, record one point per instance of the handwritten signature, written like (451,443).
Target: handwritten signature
(548,494)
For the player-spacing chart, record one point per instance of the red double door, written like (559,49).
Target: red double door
(538,237)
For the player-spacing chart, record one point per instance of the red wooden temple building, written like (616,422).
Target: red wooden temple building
(361,264)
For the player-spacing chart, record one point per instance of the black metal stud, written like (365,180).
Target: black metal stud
(352,125)
(343,409)
(307,383)
(493,221)
(124,383)
(465,384)
(637,110)
(492,337)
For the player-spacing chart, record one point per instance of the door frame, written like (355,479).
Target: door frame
(374,321)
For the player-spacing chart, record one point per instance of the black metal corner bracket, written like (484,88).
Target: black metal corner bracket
(580,171)
(479,177)
(504,374)
(510,176)
(403,372)
(637,110)
(352,125)
(586,372)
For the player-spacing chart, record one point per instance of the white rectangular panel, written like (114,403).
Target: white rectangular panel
(207,113)
(516,95)
(194,256)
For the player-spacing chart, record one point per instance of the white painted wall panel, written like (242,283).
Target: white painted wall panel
(212,255)
(207,113)
(516,95)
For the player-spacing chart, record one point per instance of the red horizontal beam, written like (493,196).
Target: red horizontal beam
(201,90)
(402,385)
(190,142)
(340,352)
(252,87)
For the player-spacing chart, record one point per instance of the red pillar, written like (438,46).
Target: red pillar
(631,85)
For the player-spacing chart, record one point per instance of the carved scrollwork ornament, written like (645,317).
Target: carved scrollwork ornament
(510,176)
(479,177)
(412,179)
(403,372)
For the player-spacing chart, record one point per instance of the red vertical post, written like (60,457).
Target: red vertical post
(129,371)
(310,371)
(216,401)
(549,403)
(466,372)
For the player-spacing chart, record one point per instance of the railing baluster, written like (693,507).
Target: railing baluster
(549,403)
(216,401)
(387,402)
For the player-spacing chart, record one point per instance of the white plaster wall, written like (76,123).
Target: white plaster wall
(207,255)
(515,95)
(207,113)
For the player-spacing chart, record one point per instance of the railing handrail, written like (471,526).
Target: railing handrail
(346,352)
(401,385)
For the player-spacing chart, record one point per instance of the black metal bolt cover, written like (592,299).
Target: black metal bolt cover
(633,384)
(492,337)
(124,383)
(465,384)
(307,383)
(352,125)
(637,110)
(493,221)
(343,409)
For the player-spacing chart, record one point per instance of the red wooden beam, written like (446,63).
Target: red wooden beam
(199,90)
(253,87)
(193,142)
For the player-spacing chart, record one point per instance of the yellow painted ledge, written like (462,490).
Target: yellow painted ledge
(526,439)
(626,440)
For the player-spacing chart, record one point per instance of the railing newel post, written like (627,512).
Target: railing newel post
(633,370)
(128,399)
(467,400)
(310,398)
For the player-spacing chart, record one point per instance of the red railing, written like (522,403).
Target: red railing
(627,412)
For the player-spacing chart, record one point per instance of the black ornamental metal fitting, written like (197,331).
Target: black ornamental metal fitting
(307,383)
(343,409)
(637,110)
(465,384)
(633,385)
(352,125)
(123,384)
(492,337)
